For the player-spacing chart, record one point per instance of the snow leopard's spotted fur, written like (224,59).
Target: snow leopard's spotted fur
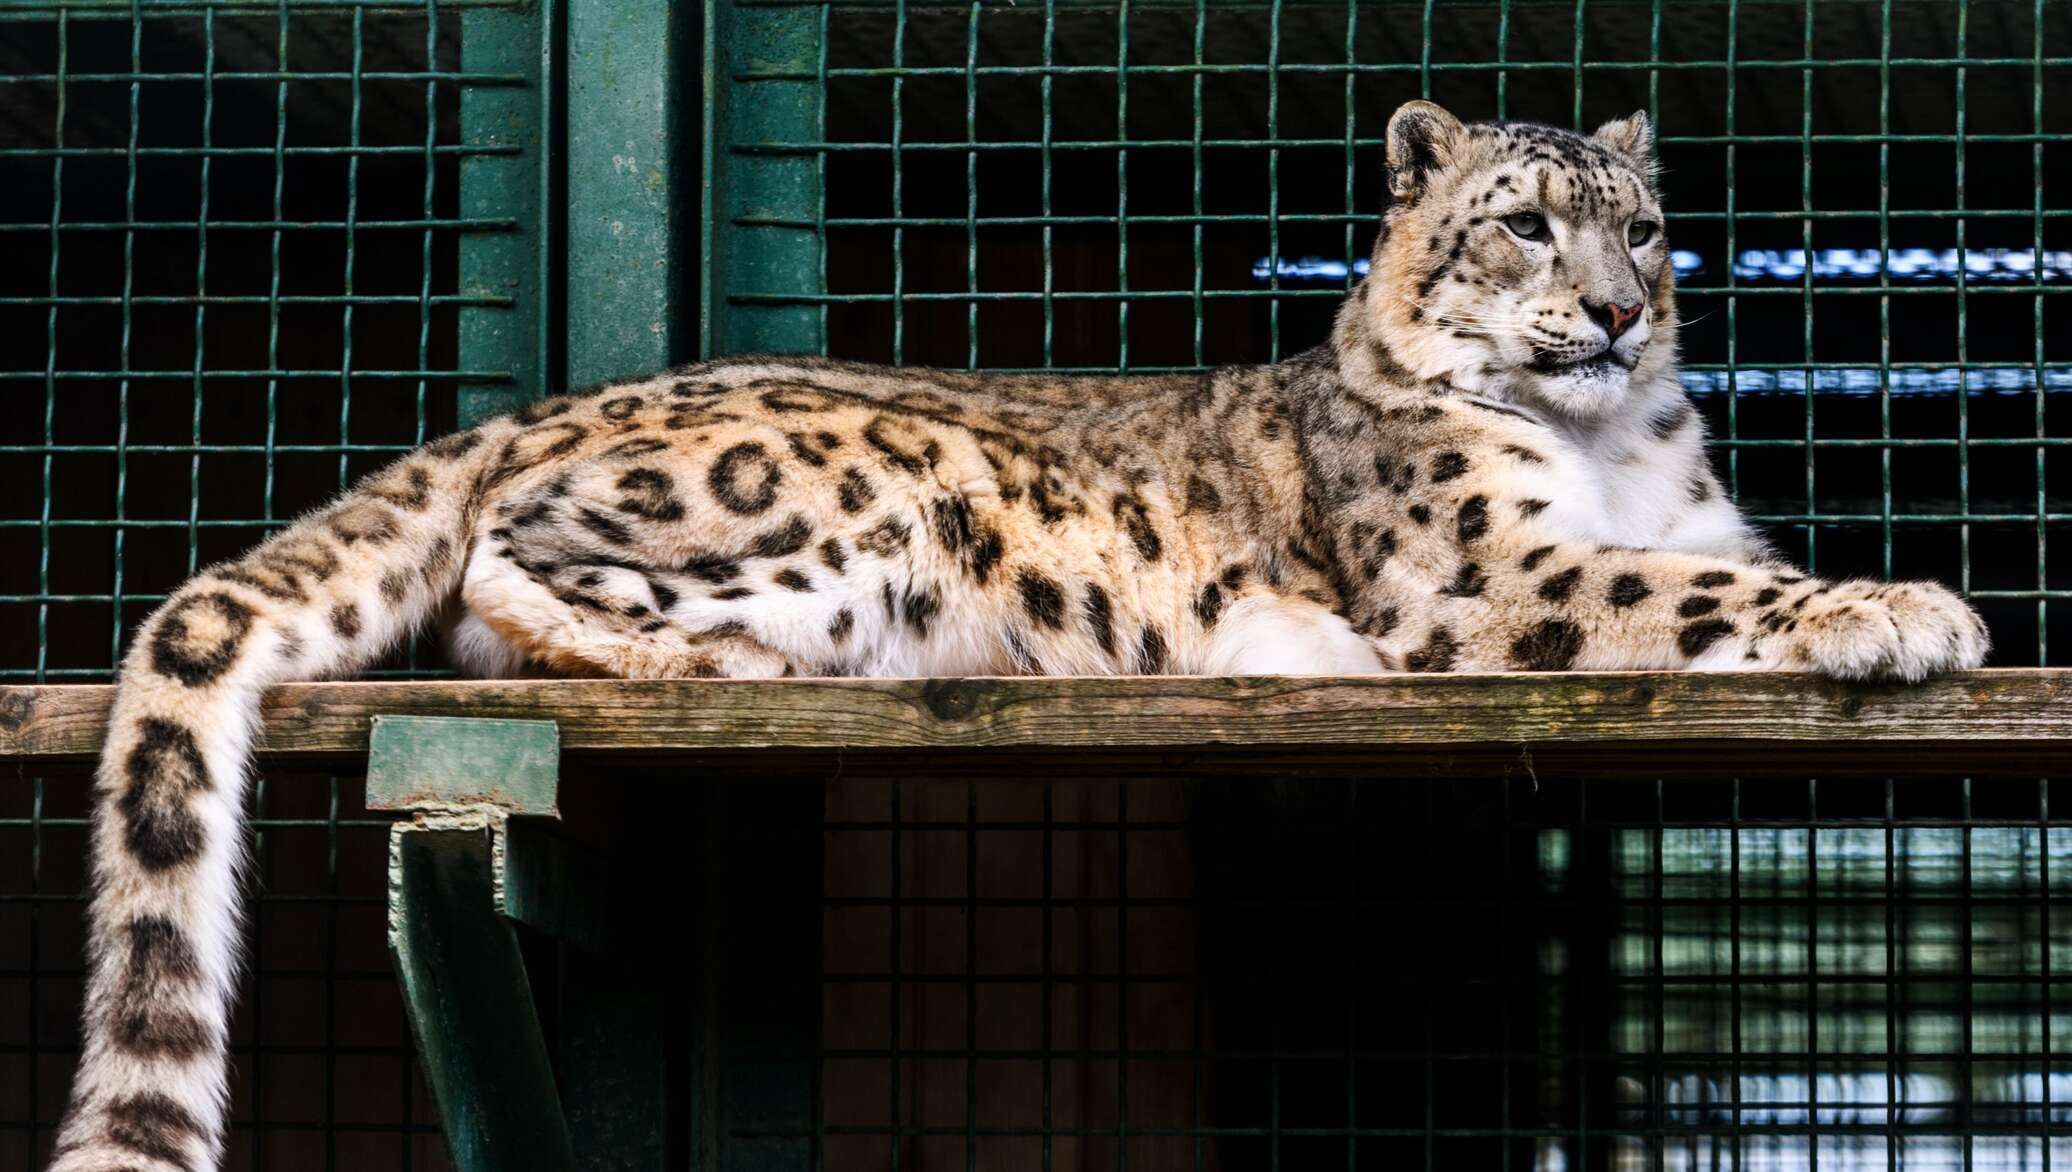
(1471,475)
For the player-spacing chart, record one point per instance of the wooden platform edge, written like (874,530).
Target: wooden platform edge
(2021,711)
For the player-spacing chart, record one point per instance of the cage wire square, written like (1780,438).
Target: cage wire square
(1772,974)
(232,232)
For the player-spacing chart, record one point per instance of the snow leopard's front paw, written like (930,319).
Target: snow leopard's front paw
(1888,631)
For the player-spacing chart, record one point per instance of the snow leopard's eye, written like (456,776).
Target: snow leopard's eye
(1527,225)
(1639,232)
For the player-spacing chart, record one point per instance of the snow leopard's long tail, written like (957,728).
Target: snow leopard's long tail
(325,596)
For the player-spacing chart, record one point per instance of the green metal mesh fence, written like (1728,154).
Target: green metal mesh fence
(1222,973)
(235,234)
(1860,193)
(234,238)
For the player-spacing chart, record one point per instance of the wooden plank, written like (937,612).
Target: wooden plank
(2023,717)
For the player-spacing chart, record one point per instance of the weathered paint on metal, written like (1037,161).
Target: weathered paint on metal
(460,875)
(470,1004)
(626,178)
(507,181)
(449,762)
(780,251)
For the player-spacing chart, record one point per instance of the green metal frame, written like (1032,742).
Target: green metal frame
(506,176)
(463,978)
(629,175)
(764,82)
(473,863)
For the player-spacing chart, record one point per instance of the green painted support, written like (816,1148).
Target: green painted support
(761,210)
(510,183)
(552,887)
(627,169)
(469,1002)
(466,869)
(464,984)
(444,762)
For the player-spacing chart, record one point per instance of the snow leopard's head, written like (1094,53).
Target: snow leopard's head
(1524,262)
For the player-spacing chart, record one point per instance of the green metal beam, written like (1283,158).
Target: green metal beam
(626,174)
(504,176)
(461,875)
(464,983)
(552,887)
(761,211)
(470,1004)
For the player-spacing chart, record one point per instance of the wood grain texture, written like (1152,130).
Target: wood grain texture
(2015,719)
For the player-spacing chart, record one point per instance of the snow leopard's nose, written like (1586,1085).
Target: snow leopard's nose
(1613,316)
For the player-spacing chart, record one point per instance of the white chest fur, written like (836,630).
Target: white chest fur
(1617,482)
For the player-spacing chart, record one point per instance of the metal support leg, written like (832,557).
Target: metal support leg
(470,1004)
(462,872)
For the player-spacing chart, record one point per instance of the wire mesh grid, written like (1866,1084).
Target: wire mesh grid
(1341,973)
(1860,194)
(232,231)
(323,1069)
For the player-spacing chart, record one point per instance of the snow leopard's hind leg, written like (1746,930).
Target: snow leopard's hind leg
(593,620)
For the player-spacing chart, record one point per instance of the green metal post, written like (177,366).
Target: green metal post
(765,82)
(478,1033)
(627,169)
(506,178)
(761,209)
(460,875)
(470,1004)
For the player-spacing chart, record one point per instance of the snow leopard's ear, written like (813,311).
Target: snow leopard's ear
(1632,136)
(1421,140)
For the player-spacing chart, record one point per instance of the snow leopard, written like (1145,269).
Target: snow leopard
(1489,465)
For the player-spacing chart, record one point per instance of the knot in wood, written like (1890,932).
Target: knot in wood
(950,699)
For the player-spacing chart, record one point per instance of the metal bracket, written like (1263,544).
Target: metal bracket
(464,763)
(462,871)
(469,1002)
